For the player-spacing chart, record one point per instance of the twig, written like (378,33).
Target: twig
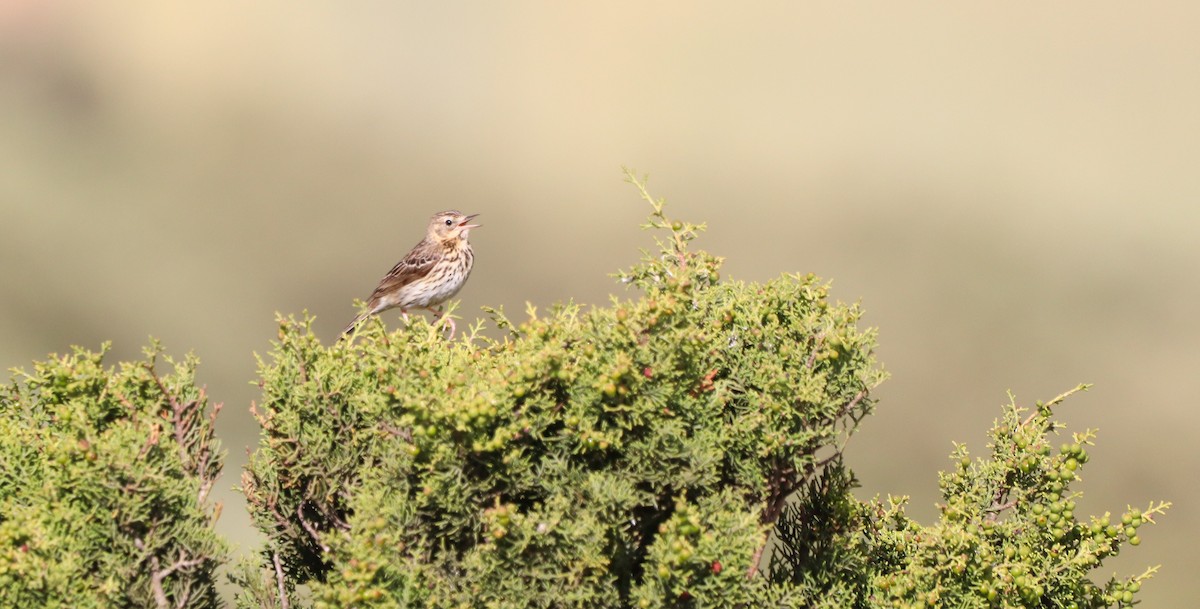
(1054,402)
(758,556)
(207,482)
(818,340)
(849,407)
(404,434)
(125,401)
(158,574)
(309,528)
(155,430)
(999,504)
(996,508)
(837,453)
(176,416)
(283,599)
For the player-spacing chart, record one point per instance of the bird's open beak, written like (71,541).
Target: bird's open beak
(464,224)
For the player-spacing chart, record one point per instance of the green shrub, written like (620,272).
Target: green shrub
(1007,537)
(628,455)
(632,455)
(638,455)
(104,482)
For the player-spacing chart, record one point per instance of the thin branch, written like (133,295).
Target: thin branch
(158,574)
(176,416)
(312,532)
(404,434)
(999,504)
(155,430)
(207,482)
(818,340)
(837,453)
(758,556)
(182,602)
(995,509)
(1054,402)
(125,401)
(849,407)
(283,599)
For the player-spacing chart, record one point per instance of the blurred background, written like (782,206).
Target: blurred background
(1011,190)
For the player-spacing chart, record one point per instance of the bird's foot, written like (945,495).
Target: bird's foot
(439,315)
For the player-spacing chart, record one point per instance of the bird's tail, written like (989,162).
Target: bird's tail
(354,324)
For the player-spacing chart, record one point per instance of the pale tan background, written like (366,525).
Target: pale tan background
(1010,189)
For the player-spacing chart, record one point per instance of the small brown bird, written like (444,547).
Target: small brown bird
(432,273)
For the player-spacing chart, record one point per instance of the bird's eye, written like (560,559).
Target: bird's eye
(449,222)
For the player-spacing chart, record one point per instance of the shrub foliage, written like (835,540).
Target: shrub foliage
(104,482)
(1007,537)
(638,455)
(632,454)
(678,449)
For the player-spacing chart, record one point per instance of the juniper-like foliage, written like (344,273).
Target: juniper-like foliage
(679,449)
(634,454)
(104,481)
(641,454)
(1008,535)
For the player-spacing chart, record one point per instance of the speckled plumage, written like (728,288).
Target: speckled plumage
(430,274)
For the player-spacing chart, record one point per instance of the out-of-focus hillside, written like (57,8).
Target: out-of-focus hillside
(1011,190)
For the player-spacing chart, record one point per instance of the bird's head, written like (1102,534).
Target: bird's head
(451,226)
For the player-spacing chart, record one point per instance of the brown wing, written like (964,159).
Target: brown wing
(414,266)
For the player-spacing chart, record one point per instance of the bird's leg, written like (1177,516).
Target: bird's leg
(438,315)
(404,315)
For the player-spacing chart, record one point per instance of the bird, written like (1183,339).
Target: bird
(430,274)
